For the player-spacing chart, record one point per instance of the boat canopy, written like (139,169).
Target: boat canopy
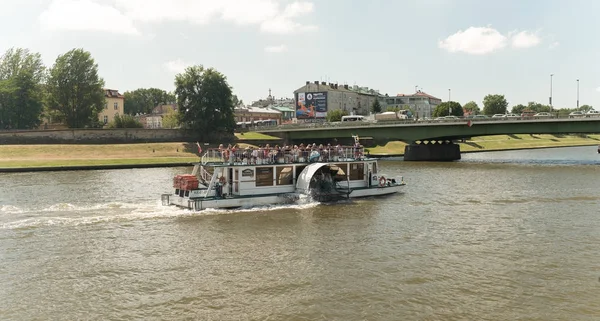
(303,182)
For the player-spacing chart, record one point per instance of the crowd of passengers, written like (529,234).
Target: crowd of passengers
(286,154)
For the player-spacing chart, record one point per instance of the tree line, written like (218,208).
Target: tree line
(497,104)
(72,92)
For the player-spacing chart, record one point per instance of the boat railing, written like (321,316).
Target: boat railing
(260,156)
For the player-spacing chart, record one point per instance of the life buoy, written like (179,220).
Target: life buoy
(381,181)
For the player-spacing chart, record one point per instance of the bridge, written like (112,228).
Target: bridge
(431,140)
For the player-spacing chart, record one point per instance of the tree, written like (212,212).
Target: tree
(336,115)
(376,107)
(75,89)
(471,108)
(143,100)
(494,104)
(171,119)
(537,107)
(21,94)
(205,102)
(237,101)
(518,109)
(586,108)
(125,121)
(443,109)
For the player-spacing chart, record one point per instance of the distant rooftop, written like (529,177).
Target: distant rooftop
(112,93)
(418,94)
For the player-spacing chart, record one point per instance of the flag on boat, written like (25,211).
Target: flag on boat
(199,148)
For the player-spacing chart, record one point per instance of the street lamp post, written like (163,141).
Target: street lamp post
(551,92)
(577,93)
(449,106)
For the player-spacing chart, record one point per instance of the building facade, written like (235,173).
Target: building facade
(253,115)
(421,103)
(155,118)
(314,100)
(114,105)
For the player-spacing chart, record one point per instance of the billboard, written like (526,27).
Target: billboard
(311,105)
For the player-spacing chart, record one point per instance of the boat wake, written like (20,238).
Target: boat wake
(65,214)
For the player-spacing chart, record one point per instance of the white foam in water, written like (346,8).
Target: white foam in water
(135,212)
(10,209)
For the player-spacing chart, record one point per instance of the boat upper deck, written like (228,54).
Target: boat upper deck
(282,155)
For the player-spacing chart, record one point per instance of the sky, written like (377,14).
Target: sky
(457,49)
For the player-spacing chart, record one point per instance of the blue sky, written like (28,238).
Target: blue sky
(472,47)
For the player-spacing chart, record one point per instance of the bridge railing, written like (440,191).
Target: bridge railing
(414,122)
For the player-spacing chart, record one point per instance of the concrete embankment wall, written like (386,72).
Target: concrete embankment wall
(93,136)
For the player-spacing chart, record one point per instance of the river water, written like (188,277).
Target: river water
(495,236)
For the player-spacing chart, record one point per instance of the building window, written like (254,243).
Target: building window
(116,106)
(105,119)
(106,105)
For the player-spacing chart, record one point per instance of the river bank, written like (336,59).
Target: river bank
(111,156)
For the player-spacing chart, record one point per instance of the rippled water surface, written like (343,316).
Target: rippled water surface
(496,236)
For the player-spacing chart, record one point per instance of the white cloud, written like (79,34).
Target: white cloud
(554,45)
(176,66)
(123,16)
(276,49)
(525,39)
(475,41)
(485,40)
(85,15)
(598,89)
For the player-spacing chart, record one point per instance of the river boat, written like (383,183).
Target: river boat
(230,178)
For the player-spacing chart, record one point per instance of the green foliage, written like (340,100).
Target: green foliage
(392,108)
(143,100)
(494,104)
(205,102)
(586,108)
(75,89)
(376,107)
(171,119)
(444,109)
(21,95)
(472,108)
(537,107)
(125,121)
(518,109)
(336,115)
(237,101)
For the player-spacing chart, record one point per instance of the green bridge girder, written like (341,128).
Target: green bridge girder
(411,132)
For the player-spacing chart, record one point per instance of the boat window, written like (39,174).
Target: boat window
(357,171)
(285,175)
(374,168)
(343,169)
(264,176)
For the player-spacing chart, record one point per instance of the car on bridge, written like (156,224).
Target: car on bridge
(592,113)
(512,116)
(543,115)
(498,116)
(575,114)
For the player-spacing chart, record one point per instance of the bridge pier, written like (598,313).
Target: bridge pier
(432,151)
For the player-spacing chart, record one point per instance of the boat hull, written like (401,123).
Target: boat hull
(199,204)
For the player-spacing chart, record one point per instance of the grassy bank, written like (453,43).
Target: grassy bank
(502,142)
(23,156)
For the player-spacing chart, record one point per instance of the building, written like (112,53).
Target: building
(421,103)
(155,118)
(255,115)
(314,100)
(113,106)
(287,112)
